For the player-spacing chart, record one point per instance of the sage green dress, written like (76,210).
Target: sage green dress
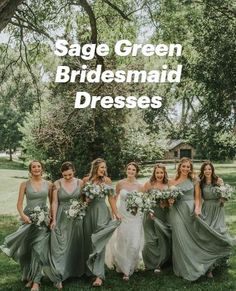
(212,210)
(66,242)
(214,215)
(26,244)
(98,229)
(195,245)
(157,239)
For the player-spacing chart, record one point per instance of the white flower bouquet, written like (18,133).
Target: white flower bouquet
(93,191)
(134,202)
(39,216)
(173,192)
(155,195)
(165,197)
(77,209)
(223,191)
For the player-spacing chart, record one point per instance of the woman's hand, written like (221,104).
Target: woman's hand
(151,215)
(53,224)
(26,219)
(171,201)
(197,211)
(222,201)
(88,200)
(117,216)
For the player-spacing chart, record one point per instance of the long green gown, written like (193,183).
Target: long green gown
(214,215)
(26,244)
(212,210)
(195,245)
(98,229)
(66,242)
(157,239)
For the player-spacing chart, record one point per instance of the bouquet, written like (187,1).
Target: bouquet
(39,216)
(166,197)
(134,202)
(174,193)
(93,191)
(223,191)
(77,209)
(155,195)
(138,202)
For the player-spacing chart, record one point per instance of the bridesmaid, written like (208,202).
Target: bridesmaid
(157,233)
(26,244)
(126,244)
(212,209)
(98,225)
(196,247)
(66,256)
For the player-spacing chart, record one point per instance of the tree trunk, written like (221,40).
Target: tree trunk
(10,154)
(7,10)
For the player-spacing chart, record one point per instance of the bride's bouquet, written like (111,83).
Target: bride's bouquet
(77,209)
(39,216)
(223,191)
(93,191)
(138,202)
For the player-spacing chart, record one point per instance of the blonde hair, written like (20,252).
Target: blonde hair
(190,174)
(94,169)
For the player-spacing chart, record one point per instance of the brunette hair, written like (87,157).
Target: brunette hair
(202,177)
(135,165)
(153,177)
(67,166)
(190,174)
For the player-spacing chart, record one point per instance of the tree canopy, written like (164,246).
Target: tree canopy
(39,114)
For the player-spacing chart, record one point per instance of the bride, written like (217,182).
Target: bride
(125,246)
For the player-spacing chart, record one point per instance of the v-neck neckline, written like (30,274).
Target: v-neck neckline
(35,190)
(72,192)
(181,182)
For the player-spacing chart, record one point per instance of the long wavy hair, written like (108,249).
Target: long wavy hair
(153,177)
(202,177)
(136,167)
(94,170)
(191,174)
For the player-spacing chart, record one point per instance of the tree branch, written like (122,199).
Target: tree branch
(7,10)
(117,9)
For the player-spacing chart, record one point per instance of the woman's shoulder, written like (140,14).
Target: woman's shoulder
(85,179)
(24,184)
(49,184)
(79,182)
(219,181)
(107,180)
(56,184)
(196,180)
(121,182)
(172,182)
(147,185)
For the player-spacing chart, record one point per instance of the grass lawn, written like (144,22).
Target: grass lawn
(166,281)
(14,165)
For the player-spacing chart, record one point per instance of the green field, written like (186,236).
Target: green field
(10,272)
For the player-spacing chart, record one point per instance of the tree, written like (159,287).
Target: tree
(205,98)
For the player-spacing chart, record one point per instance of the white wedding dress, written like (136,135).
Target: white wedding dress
(125,247)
